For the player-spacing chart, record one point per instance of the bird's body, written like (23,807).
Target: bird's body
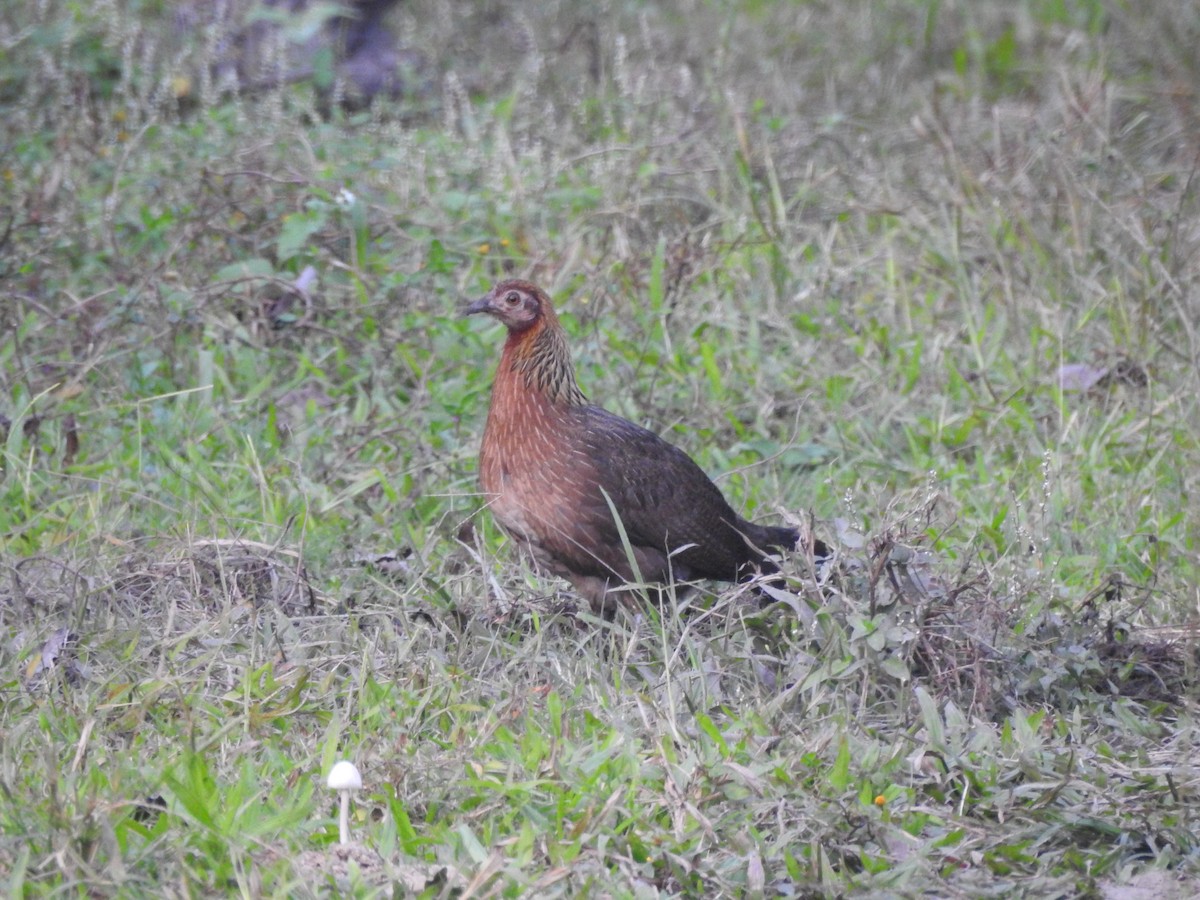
(554,468)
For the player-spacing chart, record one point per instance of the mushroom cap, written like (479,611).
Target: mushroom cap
(344,776)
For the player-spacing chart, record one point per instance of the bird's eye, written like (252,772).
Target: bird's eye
(512,298)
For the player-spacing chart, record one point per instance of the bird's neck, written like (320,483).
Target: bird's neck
(539,360)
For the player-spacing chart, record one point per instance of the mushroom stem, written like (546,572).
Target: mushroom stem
(344,818)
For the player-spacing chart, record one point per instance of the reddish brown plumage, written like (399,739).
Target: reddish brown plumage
(551,462)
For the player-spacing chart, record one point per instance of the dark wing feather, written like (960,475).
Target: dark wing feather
(664,499)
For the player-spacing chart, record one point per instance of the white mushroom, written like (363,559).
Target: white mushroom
(344,778)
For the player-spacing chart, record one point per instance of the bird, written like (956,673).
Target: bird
(564,477)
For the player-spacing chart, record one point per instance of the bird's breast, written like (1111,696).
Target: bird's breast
(529,471)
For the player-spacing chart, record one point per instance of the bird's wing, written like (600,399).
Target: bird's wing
(663,498)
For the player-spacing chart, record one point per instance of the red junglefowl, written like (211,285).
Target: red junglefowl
(551,463)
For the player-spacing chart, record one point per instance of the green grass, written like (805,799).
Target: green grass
(837,253)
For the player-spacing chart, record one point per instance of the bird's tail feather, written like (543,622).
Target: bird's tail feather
(772,537)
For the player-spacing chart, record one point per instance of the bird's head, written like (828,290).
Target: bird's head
(536,344)
(518,304)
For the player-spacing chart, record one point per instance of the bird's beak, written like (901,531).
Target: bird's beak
(482,305)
